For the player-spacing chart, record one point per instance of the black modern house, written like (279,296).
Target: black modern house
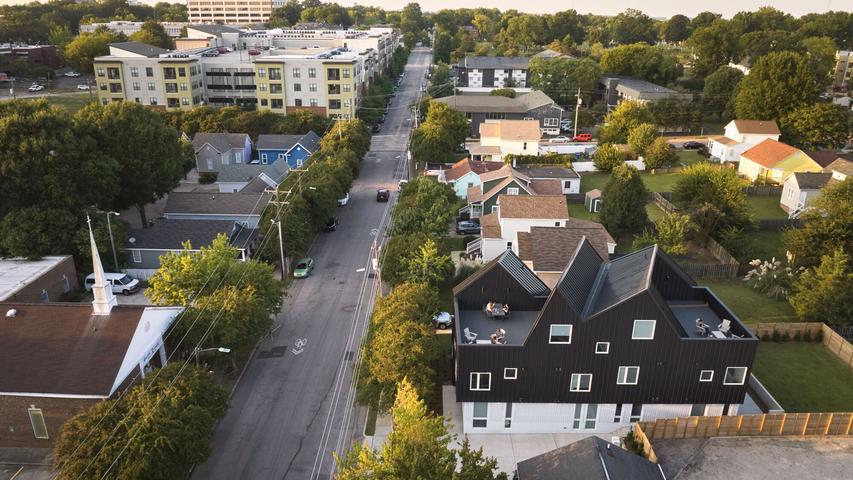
(480,108)
(614,342)
(492,72)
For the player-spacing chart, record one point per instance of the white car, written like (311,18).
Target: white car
(442,320)
(561,139)
(72,74)
(82,86)
(36,87)
(343,201)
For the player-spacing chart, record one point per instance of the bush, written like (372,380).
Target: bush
(775,337)
(464,272)
(807,336)
(207,178)
(765,338)
(798,337)
(770,278)
(607,157)
(786,337)
(819,337)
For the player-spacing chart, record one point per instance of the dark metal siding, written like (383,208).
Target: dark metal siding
(497,283)
(669,365)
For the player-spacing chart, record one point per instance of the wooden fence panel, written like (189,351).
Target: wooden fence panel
(836,344)
(780,424)
(751,425)
(841,424)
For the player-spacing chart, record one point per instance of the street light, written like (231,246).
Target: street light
(112,242)
(197,351)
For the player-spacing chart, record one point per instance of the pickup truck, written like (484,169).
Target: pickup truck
(582,137)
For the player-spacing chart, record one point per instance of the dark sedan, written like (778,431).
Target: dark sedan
(382,195)
(692,145)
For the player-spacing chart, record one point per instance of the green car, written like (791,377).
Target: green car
(303,267)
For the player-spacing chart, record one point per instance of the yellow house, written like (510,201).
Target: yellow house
(774,161)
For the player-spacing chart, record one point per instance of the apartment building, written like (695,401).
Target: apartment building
(493,72)
(843,72)
(240,12)
(173,29)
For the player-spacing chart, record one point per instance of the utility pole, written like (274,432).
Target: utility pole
(112,242)
(577,107)
(280,247)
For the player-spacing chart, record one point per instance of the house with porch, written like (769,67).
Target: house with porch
(465,174)
(773,161)
(515,214)
(612,343)
(293,149)
(62,358)
(483,198)
(504,137)
(213,150)
(739,136)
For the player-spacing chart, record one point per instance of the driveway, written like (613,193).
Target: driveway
(295,406)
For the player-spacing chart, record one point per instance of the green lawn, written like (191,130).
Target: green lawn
(579,210)
(71,102)
(662,182)
(689,157)
(749,305)
(804,377)
(455,244)
(766,244)
(766,206)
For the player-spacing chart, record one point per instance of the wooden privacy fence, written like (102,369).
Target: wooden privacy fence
(778,223)
(763,190)
(768,424)
(833,342)
(711,271)
(663,203)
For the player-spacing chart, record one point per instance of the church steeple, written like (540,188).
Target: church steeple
(104,299)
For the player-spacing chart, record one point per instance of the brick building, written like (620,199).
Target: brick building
(35,281)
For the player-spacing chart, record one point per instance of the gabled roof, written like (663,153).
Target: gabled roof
(490,226)
(824,158)
(533,206)
(550,249)
(238,172)
(502,172)
(589,459)
(510,263)
(139,48)
(170,234)
(482,62)
(222,142)
(483,103)
(466,165)
(216,203)
(512,130)
(310,141)
(550,53)
(723,140)
(811,180)
(761,127)
(547,187)
(575,285)
(475,194)
(840,165)
(769,152)
(276,142)
(536,99)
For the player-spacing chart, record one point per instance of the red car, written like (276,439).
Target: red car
(253,51)
(582,137)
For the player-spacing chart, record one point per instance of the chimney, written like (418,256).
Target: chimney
(104,299)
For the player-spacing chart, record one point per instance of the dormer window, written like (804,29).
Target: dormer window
(512,191)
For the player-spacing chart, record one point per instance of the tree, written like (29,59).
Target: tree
(607,157)
(560,78)
(442,46)
(676,29)
(80,52)
(826,226)
(475,466)
(440,83)
(713,47)
(627,115)
(503,92)
(704,185)
(287,15)
(157,430)
(641,137)
(641,60)
(754,45)
(676,115)
(152,33)
(817,126)
(825,292)
(821,51)
(704,19)
(624,207)
(148,150)
(440,134)
(632,26)
(778,84)
(660,154)
(428,265)
(718,93)
(670,234)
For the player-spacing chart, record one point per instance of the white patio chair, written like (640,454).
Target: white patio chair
(726,326)
(470,337)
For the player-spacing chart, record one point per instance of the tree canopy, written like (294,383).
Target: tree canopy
(720,190)
(626,116)
(826,226)
(778,84)
(623,208)
(817,126)
(152,33)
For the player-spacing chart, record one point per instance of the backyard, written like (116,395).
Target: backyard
(749,305)
(766,207)
(804,377)
(764,245)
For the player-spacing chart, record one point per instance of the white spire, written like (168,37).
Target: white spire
(104,299)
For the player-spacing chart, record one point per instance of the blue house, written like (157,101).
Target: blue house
(294,149)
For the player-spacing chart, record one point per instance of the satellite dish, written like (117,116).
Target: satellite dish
(132,240)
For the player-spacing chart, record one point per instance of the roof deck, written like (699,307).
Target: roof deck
(517,326)
(712,312)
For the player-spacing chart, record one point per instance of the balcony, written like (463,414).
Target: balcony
(707,307)
(517,326)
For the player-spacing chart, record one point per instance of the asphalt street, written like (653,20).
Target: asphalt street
(294,406)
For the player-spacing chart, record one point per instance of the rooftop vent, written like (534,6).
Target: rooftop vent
(11,313)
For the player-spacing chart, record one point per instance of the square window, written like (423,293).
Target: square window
(481,381)
(481,415)
(628,376)
(602,348)
(581,382)
(297,87)
(643,330)
(560,334)
(706,375)
(735,376)
(510,373)
(512,191)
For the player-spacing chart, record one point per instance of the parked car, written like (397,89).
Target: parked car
(467,227)
(72,73)
(332,224)
(561,139)
(82,86)
(382,195)
(254,51)
(583,137)
(303,267)
(36,87)
(120,282)
(442,320)
(692,145)
(376,128)
(343,201)
(703,150)
(402,184)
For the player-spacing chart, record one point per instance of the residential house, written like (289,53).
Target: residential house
(493,72)
(739,136)
(213,150)
(63,358)
(547,250)
(244,208)
(548,54)
(145,246)
(465,174)
(483,198)
(801,189)
(843,72)
(569,180)
(481,108)
(589,459)
(841,168)
(44,280)
(619,89)
(825,158)
(774,161)
(613,343)
(514,214)
(269,179)
(505,137)
(293,149)
(234,178)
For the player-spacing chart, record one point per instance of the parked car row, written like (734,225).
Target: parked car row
(581,137)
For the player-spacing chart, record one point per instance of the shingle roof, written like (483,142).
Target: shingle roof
(841,165)
(723,140)
(139,48)
(550,249)
(62,348)
(169,234)
(490,226)
(311,141)
(239,172)
(536,99)
(466,165)
(512,130)
(766,127)
(589,459)
(547,187)
(475,194)
(826,157)
(533,206)
(769,152)
(222,142)
(504,171)
(483,103)
(276,142)
(811,181)
(481,62)
(216,203)
(547,172)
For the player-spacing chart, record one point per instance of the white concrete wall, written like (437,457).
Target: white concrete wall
(590,166)
(574,185)
(230,187)
(530,147)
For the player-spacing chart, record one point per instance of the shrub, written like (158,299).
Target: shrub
(786,337)
(207,178)
(775,337)
(765,337)
(819,337)
(770,278)
(798,337)
(807,336)
(607,157)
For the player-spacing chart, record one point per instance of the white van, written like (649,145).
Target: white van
(121,282)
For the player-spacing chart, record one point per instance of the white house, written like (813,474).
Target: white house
(840,169)
(505,137)
(740,135)
(570,182)
(801,189)
(518,213)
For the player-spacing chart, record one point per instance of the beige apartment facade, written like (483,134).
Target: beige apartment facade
(238,12)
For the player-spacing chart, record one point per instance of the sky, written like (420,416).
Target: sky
(653,8)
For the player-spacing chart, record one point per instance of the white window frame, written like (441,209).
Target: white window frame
(622,375)
(31,412)
(508,415)
(264,159)
(512,376)
(579,377)
(606,348)
(726,376)
(512,191)
(238,157)
(551,122)
(634,330)
(702,376)
(474,385)
(631,415)
(136,254)
(551,333)
(474,418)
